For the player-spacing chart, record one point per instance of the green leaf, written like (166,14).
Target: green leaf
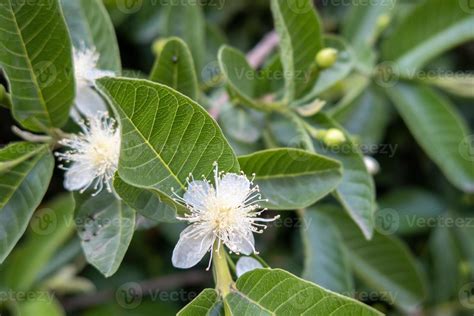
(22,188)
(446,258)
(438,129)
(191,27)
(207,303)
(38,63)
(106,227)
(50,228)
(425,33)
(331,76)
(325,258)
(409,206)
(165,135)
(40,307)
(298,27)
(277,292)
(241,77)
(15,153)
(174,67)
(366,117)
(356,191)
(242,124)
(150,203)
(291,178)
(360,27)
(384,263)
(90,26)
(458,85)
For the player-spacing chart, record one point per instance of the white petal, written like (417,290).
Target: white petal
(88,102)
(190,248)
(95,74)
(242,244)
(246,264)
(78,176)
(233,189)
(197,193)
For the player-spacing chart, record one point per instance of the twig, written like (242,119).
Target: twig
(30,136)
(148,287)
(255,57)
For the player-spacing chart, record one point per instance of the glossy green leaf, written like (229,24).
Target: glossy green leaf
(174,67)
(446,258)
(360,26)
(15,153)
(366,117)
(414,210)
(40,307)
(461,85)
(298,27)
(38,63)
(325,258)
(383,263)
(90,26)
(356,191)
(291,178)
(165,135)
(207,303)
(439,130)
(22,188)
(432,28)
(105,226)
(240,76)
(150,203)
(191,27)
(50,227)
(277,292)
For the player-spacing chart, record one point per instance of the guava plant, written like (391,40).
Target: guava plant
(216,149)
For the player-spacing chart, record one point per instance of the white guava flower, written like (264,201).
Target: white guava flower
(93,155)
(246,264)
(88,101)
(226,213)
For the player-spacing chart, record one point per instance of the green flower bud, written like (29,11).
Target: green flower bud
(334,137)
(158,45)
(383,21)
(326,57)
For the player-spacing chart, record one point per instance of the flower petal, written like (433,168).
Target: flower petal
(78,176)
(196,194)
(88,102)
(191,247)
(246,264)
(233,189)
(242,244)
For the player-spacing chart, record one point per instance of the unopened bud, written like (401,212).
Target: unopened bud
(326,57)
(334,137)
(383,21)
(372,165)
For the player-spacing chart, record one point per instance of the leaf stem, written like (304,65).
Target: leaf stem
(222,274)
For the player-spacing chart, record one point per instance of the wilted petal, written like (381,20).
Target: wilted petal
(246,264)
(89,103)
(78,176)
(191,248)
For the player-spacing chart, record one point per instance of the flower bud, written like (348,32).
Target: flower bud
(326,57)
(383,21)
(334,137)
(372,165)
(158,45)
